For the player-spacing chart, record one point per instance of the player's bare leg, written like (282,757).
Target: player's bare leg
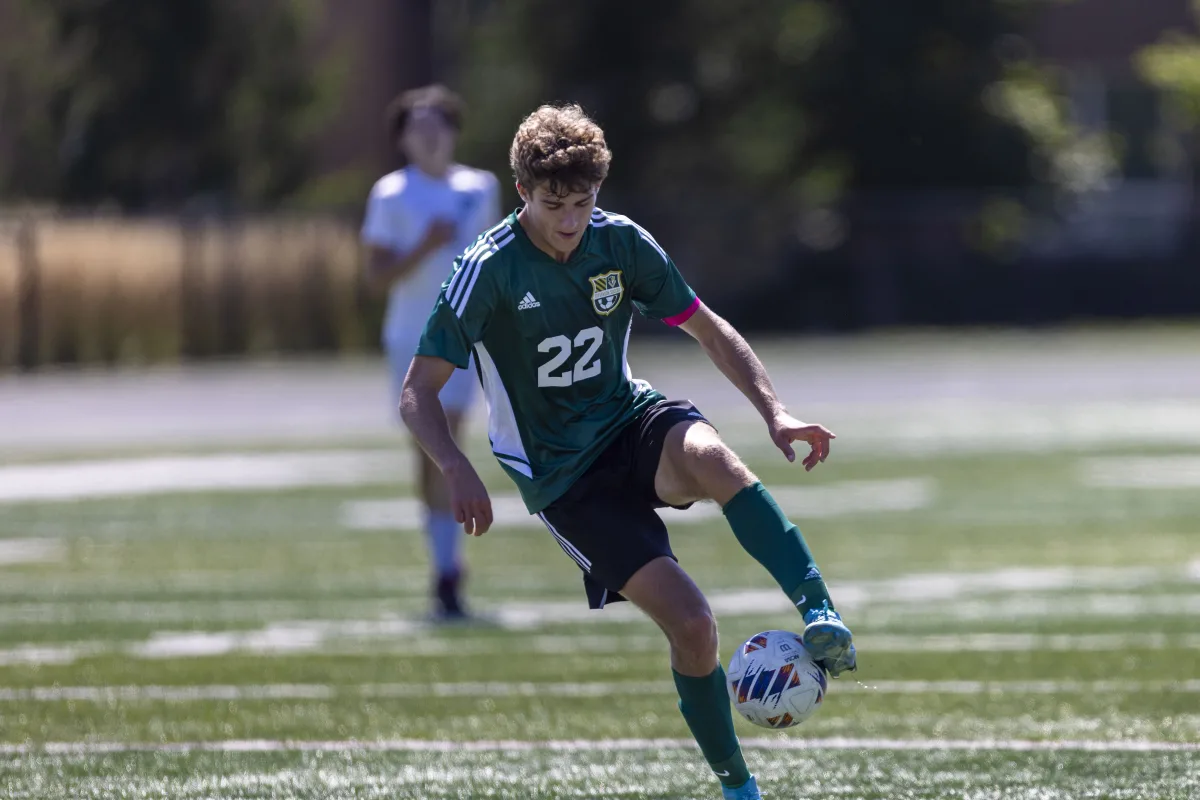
(697,465)
(669,597)
(445,534)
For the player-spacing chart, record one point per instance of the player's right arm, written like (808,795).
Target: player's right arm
(459,320)
(386,265)
(393,250)
(422,412)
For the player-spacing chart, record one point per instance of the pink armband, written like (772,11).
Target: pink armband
(684,315)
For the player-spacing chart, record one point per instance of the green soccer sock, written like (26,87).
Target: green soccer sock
(704,703)
(768,535)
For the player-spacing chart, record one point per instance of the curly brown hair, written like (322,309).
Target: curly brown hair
(561,147)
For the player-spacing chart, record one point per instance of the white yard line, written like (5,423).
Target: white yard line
(232,472)
(167,612)
(1023,592)
(1159,472)
(286,641)
(800,502)
(874,643)
(177,694)
(41,654)
(77,480)
(914,601)
(90,587)
(782,742)
(1015,608)
(1026,642)
(170,694)
(31,551)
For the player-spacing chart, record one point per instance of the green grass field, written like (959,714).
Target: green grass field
(1027,628)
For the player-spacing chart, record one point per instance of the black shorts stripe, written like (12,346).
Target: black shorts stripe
(571,550)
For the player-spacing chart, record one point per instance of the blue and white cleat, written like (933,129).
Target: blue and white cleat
(829,641)
(747,791)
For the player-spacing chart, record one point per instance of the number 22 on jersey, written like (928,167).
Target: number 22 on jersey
(588,340)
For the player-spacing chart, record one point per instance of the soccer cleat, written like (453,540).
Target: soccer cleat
(747,791)
(829,641)
(448,606)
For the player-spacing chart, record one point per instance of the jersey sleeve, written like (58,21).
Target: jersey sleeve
(462,311)
(383,225)
(658,290)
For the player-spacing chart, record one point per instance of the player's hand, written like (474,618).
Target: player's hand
(786,429)
(440,233)
(469,501)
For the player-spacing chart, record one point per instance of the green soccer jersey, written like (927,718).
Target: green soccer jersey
(550,342)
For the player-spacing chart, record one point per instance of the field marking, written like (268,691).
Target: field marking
(901,593)
(889,597)
(1026,642)
(228,692)
(1038,607)
(313,635)
(800,502)
(277,643)
(32,551)
(231,472)
(781,742)
(1159,472)
(250,471)
(89,588)
(45,654)
(264,612)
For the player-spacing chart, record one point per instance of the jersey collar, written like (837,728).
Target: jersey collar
(536,252)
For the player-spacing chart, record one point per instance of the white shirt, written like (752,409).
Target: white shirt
(400,209)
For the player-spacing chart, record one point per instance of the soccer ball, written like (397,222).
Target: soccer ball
(773,681)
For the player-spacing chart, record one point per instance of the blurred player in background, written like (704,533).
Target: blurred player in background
(418,219)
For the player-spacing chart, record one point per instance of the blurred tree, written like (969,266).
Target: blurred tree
(803,96)
(154,105)
(746,129)
(1173,66)
(905,85)
(29,72)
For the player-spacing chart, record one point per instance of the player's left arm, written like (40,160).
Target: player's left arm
(660,292)
(736,359)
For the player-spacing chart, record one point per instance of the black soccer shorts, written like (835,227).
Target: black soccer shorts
(606,522)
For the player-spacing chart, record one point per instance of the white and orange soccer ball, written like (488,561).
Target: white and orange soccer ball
(773,682)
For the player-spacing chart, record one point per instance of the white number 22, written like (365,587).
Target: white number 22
(561,347)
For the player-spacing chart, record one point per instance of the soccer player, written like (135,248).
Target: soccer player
(417,220)
(544,301)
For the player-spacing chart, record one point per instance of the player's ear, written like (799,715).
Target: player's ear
(521,193)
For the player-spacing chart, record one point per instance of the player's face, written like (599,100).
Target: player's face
(428,140)
(559,220)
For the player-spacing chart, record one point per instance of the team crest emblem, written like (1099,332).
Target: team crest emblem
(607,290)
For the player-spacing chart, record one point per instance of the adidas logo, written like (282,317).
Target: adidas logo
(527,302)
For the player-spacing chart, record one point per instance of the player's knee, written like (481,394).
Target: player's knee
(712,466)
(703,450)
(694,639)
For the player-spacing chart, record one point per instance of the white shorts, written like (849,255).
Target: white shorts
(457,395)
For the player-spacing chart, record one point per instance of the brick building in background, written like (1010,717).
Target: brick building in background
(1150,204)
(388,47)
